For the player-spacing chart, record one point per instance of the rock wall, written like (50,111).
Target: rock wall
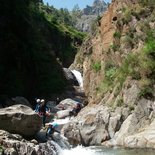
(120,91)
(101,125)
(89,15)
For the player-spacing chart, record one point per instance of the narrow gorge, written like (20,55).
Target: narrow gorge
(112,76)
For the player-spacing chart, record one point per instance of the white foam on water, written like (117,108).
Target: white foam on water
(62,121)
(79,150)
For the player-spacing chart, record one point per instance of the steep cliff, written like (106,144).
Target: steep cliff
(118,69)
(122,50)
(89,16)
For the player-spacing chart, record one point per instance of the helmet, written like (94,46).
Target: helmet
(42,100)
(54,124)
(38,100)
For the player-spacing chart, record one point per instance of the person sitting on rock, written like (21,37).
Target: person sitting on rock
(75,110)
(52,127)
(43,111)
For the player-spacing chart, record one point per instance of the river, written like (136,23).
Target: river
(80,150)
(104,151)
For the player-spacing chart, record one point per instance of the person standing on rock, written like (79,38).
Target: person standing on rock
(43,111)
(57,101)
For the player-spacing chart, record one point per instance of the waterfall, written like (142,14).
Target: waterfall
(57,147)
(79,78)
(61,141)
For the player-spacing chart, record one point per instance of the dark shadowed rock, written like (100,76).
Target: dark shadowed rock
(70,77)
(21,100)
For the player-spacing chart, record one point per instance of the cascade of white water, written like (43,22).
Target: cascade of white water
(78,76)
(79,150)
(57,148)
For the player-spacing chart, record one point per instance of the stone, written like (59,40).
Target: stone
(130,95)
(89,127)
(20,119)
(113,125)
(10,151)
(67,104)
(17,147)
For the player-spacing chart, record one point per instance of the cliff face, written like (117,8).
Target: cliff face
(89,15)
(97,8)
(118,69)
(106,57)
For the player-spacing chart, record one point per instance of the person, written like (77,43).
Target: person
(42,110)
(37,106)
(57,101)
(52,127)
(75,110)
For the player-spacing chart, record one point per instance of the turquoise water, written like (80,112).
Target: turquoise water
(118,151)
(104,151)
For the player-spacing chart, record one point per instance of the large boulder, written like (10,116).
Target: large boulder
(89,127)
(20,119)
(67,104)
(137,131)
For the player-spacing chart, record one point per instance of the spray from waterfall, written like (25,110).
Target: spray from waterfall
(79,150)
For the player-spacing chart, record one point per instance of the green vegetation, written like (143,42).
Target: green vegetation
(96,66)
(131,108)
(114,47)
(138,66)
(146,92)
(147,3)
(32,39)
(117,34)
(1,149)
(131,56)
(119,102)
(94,24)
(110,70)
(127,15)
